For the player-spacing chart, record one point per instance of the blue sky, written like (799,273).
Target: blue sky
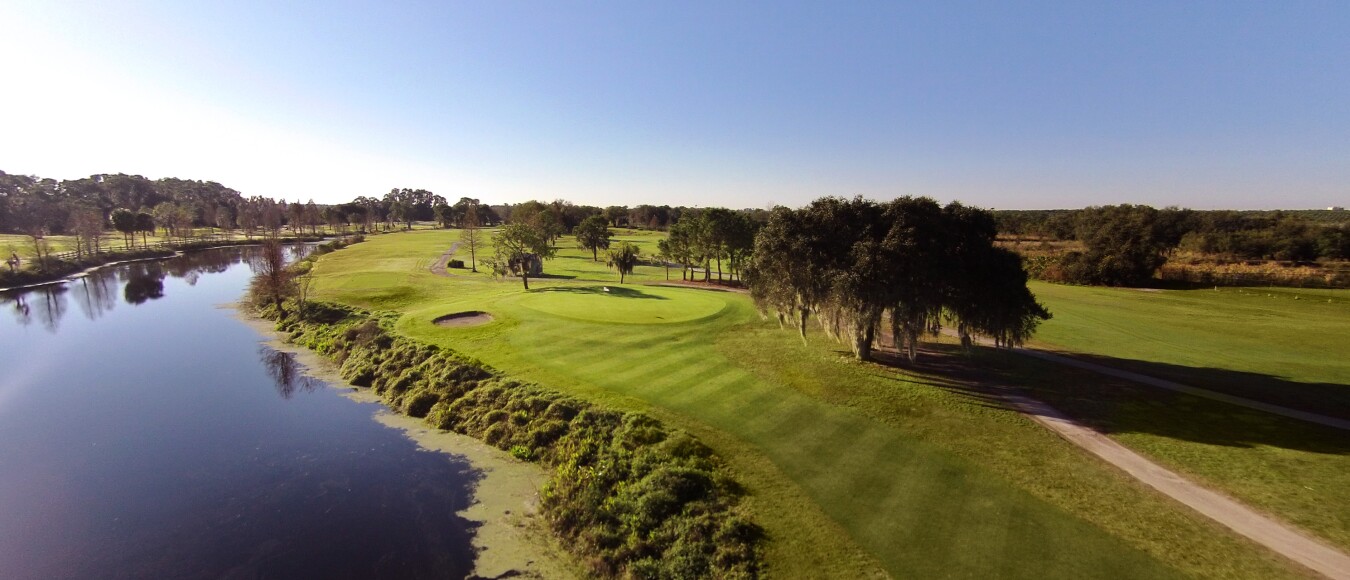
(1025,105)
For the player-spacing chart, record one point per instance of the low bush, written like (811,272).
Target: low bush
(633,497)
(456,264)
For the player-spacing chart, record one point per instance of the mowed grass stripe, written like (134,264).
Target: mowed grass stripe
(779,417)
(773,422)
(652,364)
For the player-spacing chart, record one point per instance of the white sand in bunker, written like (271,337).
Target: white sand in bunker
(471,318)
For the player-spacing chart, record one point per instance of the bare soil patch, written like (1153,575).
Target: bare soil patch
(458,319)
(438,267)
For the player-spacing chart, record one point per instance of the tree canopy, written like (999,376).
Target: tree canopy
(1123,245)
(593,234)
(856,263)
(623,258)
(517,244)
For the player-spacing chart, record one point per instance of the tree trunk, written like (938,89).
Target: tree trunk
(801,323)
(595,254)
(719,268)
(526,280)
(862,340)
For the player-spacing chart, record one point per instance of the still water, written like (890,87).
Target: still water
(145,432)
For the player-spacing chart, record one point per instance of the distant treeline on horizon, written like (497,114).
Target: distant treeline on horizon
(35,205)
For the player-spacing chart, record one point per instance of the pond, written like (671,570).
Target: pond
(146,431)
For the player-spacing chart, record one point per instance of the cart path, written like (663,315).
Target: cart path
(1279,537)
(438,267)
(1189,390)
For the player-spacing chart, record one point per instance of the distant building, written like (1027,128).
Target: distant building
(1335,208)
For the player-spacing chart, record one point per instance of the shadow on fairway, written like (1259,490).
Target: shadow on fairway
(1113,405)
(1328,399)
(615,291)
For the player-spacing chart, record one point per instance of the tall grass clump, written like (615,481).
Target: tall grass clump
(633,498)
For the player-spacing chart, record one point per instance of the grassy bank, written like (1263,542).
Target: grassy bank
(631,497)
(848,466)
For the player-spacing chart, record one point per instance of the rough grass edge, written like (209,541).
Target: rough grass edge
(630,496)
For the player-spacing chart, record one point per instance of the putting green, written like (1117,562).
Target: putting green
(625,304)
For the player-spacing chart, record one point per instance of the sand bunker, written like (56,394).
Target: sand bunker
(471,318)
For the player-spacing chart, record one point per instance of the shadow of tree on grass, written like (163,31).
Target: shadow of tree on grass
(614,291)
(1113,405)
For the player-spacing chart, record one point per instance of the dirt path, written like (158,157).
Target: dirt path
(1196,391)
(1282,539)
(438,267)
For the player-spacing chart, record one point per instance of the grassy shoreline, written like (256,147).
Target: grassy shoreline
(630,496)
(509,538)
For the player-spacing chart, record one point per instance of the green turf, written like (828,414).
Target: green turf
(1290,468)
(1283,345)
(925,479)
(623,304)
(1260,343)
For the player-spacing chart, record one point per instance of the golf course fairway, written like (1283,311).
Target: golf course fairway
(853,469)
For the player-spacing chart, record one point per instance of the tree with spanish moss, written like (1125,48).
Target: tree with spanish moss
(623,258)
(855,264)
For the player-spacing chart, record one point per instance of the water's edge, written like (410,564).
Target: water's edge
(509,538)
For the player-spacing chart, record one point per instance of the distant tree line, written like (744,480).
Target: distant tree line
(1303,235)
(138,207)
(1124,245)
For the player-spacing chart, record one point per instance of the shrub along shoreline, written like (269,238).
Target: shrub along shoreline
(632,497)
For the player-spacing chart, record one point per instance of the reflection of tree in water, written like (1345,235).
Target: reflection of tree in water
(300,251)
(95,295)
(145,281)
(23,313)
(46,303)
(191,266)
(288,375)
(294,252)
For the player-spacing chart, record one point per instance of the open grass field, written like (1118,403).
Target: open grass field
(1285,346)
(1259,343)
(852,468)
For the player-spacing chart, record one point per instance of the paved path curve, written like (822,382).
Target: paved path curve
(1277,536)
(438,267)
